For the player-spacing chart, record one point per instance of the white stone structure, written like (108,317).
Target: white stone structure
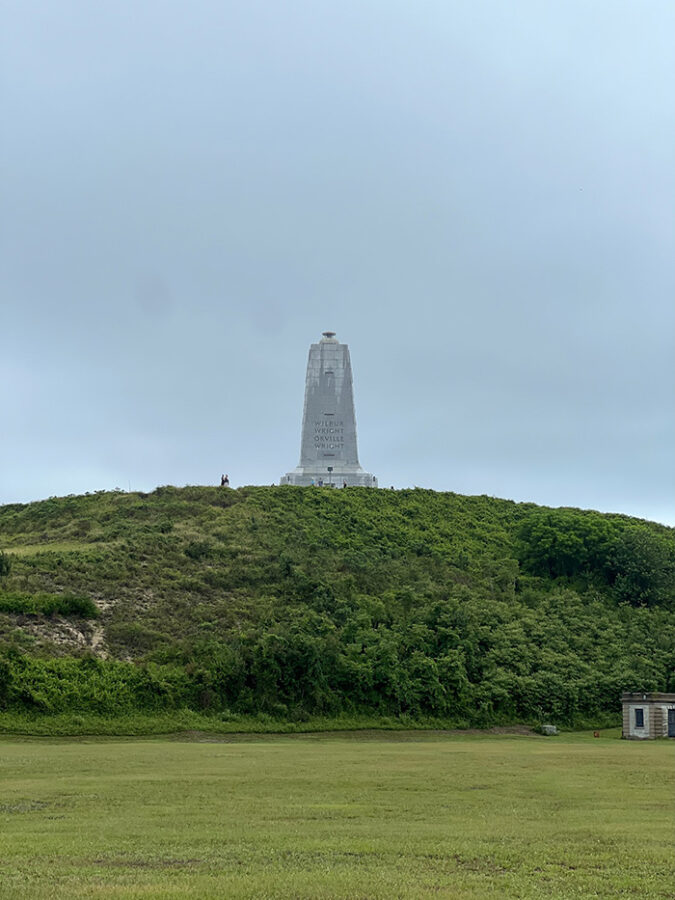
(328,454)
(648,715)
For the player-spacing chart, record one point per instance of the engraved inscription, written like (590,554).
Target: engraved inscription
(328,434)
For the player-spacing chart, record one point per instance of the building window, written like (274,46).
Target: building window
(639,718)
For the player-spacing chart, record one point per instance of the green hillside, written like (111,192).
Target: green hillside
(294,602)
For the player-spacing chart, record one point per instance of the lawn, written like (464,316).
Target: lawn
(363,815)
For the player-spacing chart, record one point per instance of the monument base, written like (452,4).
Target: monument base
(353,476)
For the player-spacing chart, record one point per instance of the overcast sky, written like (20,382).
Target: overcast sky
(477,196)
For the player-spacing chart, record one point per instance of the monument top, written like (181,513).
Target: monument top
(328,336)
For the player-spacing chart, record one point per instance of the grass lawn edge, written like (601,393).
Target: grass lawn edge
(186,723)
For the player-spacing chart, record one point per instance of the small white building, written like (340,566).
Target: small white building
(647,716)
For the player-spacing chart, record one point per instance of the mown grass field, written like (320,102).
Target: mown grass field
(362,815)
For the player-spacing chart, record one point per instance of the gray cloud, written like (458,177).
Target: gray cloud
(476,197)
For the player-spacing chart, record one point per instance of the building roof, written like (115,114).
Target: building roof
(647,697)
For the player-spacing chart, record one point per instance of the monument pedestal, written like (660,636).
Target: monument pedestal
(354,476)
(328,452)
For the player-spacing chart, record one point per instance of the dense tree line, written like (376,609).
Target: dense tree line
(638,563)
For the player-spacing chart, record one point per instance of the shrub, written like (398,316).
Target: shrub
(198,549)
(5,564)
(132,636)
(49,605)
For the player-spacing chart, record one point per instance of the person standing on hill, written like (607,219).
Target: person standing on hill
(224,481)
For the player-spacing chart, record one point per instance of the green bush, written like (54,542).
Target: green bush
(67,605)
(5,564)
(132,636)
(198,549)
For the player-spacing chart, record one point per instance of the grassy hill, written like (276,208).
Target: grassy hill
(294,602)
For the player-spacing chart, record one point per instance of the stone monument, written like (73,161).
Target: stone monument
(328,454)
